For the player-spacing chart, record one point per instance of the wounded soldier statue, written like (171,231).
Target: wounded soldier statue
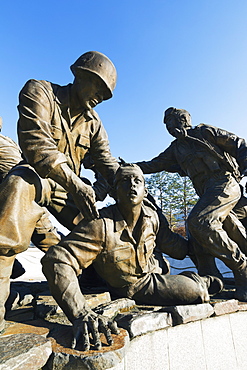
(120,244)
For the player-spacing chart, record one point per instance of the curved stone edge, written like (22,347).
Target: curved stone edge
(145,322)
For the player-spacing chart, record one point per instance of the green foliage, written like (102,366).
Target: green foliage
(174,194)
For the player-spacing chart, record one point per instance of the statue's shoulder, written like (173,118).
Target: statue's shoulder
(33,84)
(150,209)
(7,142)
(204,126)
(172,146)
(204,130)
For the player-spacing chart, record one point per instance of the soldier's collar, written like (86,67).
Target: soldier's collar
(121,224)
(62,97)
(62,94)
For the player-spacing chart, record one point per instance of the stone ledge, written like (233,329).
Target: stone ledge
(112,308)
(24,352)
(142,323)
(188,313)
(139,321)
(225,307)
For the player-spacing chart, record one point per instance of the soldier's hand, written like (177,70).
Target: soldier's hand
(84,199)
(89,326)
(83,194)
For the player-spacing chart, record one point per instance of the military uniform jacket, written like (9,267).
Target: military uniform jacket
(47,136)
(204,153)
(107,242)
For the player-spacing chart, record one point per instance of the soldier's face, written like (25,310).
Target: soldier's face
(176,123)
(131,189)
(90,90)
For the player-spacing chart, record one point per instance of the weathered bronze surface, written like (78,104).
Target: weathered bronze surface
(121,245)
(59,133)
(57,126)
(215,160)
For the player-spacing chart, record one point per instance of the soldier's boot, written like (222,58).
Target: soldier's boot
(240,276)
(214,284)
(210,285)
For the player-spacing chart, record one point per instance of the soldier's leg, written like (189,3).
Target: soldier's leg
(185,288)
(241,210)
(6,265)
(19,211)
(236,231)
(205,224)
(18,216)
(45,234)
(204,262)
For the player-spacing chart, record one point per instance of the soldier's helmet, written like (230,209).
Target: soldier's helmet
(97,63)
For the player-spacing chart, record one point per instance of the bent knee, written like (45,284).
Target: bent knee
(23,180)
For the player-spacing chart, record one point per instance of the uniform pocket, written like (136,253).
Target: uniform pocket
(83,141)
(119,254)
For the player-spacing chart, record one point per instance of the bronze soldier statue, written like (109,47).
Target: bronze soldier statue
(57,126)
(44,234)
(215,160)
(120,245)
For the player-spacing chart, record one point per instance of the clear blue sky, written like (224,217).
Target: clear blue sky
(189,54)
(183,53)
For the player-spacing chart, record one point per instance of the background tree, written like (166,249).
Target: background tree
(174,194)
(188,197)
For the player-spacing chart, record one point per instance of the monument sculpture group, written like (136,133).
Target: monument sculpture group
(59,132)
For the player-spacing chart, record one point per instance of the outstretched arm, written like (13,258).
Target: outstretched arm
(61,265)
(165,161)
(64,287)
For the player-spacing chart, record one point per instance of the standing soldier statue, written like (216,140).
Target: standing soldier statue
(215,160)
